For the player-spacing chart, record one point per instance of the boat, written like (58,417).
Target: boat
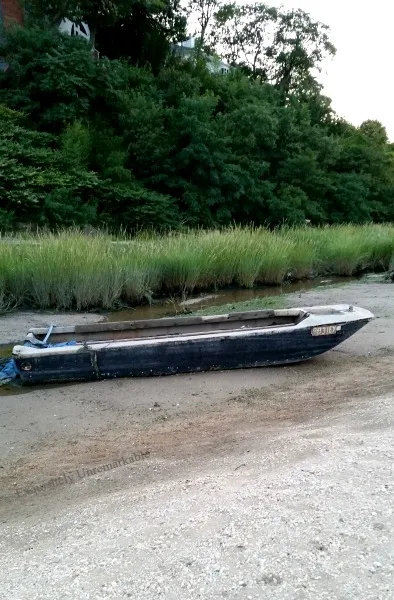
(184,344)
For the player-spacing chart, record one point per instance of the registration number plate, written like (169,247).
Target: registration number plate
(325,330)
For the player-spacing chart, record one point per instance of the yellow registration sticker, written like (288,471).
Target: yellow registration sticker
(325,330)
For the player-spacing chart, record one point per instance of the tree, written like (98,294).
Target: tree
(96,13)
(203,11)
(299,48)
(140,30)
(36,184)
(246,33)
(55,80)
(375,132)
(145,35)
(108,141)
(283,48)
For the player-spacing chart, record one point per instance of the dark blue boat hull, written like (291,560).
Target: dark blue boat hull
(183,356)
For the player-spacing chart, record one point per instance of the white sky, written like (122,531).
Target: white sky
(360,79)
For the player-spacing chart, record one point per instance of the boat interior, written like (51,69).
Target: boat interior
(127,330)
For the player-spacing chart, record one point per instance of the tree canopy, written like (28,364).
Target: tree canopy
(143,138)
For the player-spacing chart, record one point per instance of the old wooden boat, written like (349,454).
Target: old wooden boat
(184,344)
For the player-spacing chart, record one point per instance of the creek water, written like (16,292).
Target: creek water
(168,308)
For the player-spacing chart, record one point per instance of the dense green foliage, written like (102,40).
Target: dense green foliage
(142,139)
(70,269)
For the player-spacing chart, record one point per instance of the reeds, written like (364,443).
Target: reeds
(71,269)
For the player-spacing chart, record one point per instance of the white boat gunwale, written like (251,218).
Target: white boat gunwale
(309,317)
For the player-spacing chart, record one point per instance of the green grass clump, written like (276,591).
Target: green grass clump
(70,269)
(345,250)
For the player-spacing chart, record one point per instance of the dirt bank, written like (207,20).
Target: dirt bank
(259,483)
(14,325)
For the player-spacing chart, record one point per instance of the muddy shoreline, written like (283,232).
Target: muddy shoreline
(274,481)
(78,407)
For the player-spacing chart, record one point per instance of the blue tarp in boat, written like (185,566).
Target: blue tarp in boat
(8,371)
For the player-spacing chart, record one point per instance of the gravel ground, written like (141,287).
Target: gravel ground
(267,483)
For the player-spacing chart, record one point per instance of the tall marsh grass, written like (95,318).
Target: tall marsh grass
(73,270)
